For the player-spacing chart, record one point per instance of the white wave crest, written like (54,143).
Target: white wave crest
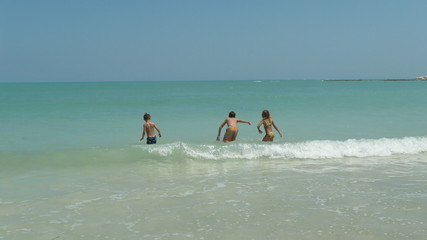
(318,149)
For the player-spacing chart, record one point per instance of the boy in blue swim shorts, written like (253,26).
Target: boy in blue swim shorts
(148,129)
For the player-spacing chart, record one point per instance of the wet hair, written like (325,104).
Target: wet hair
(232,114)
(265,114)
(147,116)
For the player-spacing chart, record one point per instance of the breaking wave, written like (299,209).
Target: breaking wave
(318,149)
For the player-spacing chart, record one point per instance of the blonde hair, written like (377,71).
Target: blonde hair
(265,114)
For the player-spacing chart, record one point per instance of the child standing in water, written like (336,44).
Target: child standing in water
(232,130)
(267,121)
(149,127)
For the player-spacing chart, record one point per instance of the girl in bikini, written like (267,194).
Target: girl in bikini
(267,121)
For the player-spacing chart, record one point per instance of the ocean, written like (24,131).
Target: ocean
(352,163)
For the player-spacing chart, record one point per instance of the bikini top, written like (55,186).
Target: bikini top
(267,124)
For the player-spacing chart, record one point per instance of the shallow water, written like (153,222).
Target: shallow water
(114,194)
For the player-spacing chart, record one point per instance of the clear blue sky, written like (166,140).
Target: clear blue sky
(139,40)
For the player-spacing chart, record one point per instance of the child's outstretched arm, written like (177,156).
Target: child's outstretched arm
(219,130)
(277,129)
(242,121)
(143,133)
(158,130)
(259,125)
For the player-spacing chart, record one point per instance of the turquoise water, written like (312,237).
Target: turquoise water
(46,116)
(351,164)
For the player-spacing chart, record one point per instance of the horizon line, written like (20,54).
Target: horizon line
(216,80)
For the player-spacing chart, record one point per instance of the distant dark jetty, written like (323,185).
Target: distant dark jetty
(382,80)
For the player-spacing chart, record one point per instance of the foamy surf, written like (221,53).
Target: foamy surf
(317,149)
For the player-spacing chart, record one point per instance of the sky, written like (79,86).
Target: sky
(168,40)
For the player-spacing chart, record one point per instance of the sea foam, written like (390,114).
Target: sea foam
(317,149)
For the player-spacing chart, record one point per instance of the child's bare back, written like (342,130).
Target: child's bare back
(231,122)
(148,129)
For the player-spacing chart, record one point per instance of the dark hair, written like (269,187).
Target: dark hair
(265,114)
(232,114)
(147,116)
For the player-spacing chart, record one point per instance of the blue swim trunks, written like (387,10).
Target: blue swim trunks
(151,140)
